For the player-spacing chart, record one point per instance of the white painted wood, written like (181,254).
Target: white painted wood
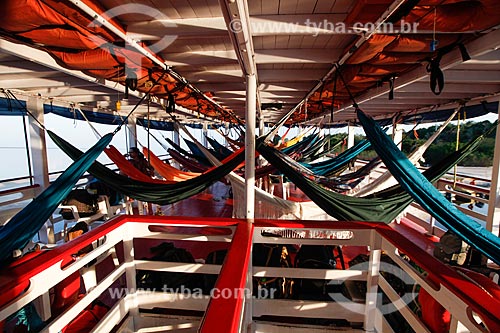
(493,217)
(250,125)
(38,145)
(350,135)
(397,135)
(163,266)
(372,295)
(152,299)
(308,309)
(309,273)
(267,327)
(150,323)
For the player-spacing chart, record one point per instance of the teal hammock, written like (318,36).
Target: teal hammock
(17,233)
(383,206)
(427,195)
(336,164)
(161,194)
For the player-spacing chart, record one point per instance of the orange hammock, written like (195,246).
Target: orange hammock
(128,169)
(167,171)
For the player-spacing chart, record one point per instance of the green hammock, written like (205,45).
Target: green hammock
(427,195)
(161,194)
(383,206)
(17,233)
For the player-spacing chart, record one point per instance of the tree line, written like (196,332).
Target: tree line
(446,143)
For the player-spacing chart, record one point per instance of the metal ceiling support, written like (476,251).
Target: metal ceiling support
(139,48)
(493,217)
(237,19)
(480,46)
(388,12)
(235,14)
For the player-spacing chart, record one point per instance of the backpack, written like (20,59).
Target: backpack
(163,281)
(85,203)
(314,256)
(451,249)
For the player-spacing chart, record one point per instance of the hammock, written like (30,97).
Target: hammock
(332,143)
(314,148)
(201,160)
(198,154)
(386,179)
(266,205)
(161,194)
(383,206)
(427,195)
(338,163)
(128,168)
(17,233)
(234,143)
(167,171)
(197,167)
(298,145)
(223,151)
(187,162)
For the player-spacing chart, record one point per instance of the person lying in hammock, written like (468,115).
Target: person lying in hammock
(136,157)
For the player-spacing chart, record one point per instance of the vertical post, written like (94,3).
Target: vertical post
(132,304)
(493,218)
(372,282)
(350,135)
(397,135)
(204,135)
(226,142)
(251,105)
(176,139)
(132,131)
(38,144)
(40,165)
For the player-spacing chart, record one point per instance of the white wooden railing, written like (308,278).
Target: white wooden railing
(120,240)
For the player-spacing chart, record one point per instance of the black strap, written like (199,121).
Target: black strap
(437,76)
(391,88)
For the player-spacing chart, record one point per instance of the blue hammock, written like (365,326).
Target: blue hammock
(427,195)
(17,233)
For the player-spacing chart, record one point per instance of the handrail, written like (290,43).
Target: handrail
(233,273)
(482,302)
(233,277)
(19,189)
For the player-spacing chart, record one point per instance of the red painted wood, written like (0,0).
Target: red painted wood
(223,314)
(480,300)
(18,274)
